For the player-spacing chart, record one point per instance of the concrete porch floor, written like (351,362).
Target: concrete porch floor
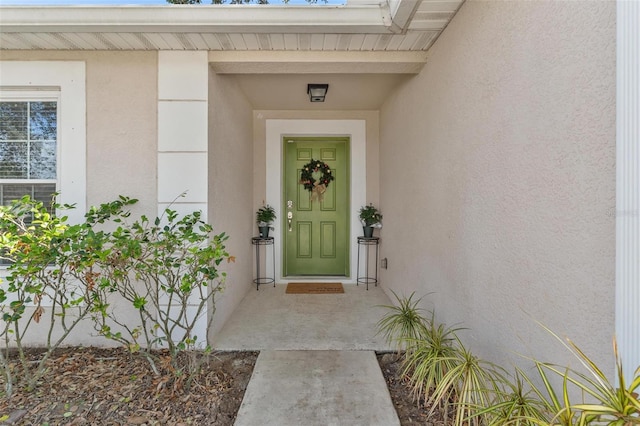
(317,365)
(270,319)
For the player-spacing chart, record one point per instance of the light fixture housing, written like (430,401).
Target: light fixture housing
(317,92)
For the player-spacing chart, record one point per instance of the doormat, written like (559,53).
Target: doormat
(314,288)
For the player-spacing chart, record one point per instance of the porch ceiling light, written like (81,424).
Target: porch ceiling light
(317,92)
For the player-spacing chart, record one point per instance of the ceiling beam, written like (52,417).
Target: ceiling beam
(316,62)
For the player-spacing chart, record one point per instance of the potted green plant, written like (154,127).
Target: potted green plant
(370,217)
(264,217)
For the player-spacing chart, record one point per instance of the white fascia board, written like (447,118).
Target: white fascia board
(203,19)
(402,12)
(398,12)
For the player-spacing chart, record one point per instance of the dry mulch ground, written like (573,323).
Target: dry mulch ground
(112,387)
(409,412)
(99,386)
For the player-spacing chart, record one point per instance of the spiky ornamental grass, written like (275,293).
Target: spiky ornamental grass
(516,404)
(403,325)
(607,403)
(432,358)
(450,377)
(469,385)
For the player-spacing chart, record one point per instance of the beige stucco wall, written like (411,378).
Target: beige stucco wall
(498,176)
(121,122)
(231,188)
(121,132)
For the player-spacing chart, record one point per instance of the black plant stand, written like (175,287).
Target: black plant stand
(257,242)
(367,242)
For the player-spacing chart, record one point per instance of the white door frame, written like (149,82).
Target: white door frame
(356,130)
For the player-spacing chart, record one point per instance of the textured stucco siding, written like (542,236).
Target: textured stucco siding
(121,122)
(121,136)
(231,188)
(498,178)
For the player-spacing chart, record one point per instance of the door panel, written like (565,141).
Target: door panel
(317,242)
(304,238)
(328,240)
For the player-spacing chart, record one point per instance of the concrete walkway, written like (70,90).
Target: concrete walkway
(317,388)
(317,364)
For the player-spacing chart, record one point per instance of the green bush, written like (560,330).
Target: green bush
(50,282)
(59,274)
(167,269)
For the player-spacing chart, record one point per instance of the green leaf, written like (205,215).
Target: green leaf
(139,302)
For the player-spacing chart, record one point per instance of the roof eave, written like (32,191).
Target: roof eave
(348,19)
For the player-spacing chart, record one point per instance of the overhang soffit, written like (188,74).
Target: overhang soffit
(372,26)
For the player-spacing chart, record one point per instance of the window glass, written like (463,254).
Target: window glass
(13,121)
(13,160)
(28,134)
(43,125)
(13,191)
(42,160)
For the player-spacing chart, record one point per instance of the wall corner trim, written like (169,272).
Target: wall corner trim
(628,184)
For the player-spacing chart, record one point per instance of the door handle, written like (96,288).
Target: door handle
(289,213)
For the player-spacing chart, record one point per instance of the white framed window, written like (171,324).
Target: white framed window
(43,132)
(28,145)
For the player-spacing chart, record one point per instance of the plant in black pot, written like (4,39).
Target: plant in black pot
(370,217)
(264,217)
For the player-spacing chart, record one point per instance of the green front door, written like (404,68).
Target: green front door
(316,224)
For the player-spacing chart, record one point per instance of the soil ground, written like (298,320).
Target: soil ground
(96,386)
(409,411)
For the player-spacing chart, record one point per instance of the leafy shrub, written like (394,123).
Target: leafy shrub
(61,273)
(167,269)
(50,280)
